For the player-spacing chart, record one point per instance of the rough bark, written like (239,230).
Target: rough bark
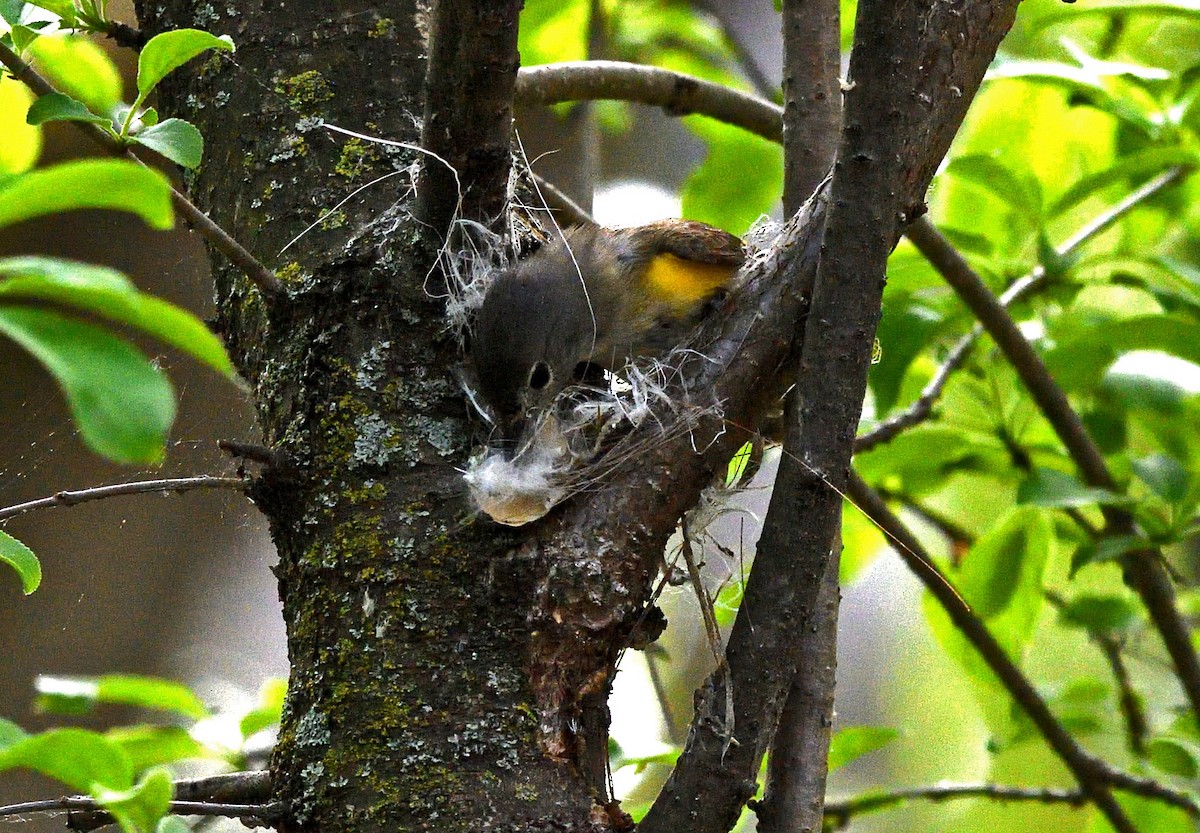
(409,706)
(794,796)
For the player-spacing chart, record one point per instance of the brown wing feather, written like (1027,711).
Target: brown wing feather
(690,240)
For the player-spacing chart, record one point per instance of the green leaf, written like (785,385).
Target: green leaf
(1167,477)
(739,180)
(1098,613)
(1001,578)
(115,184)
(1144,165)
(905,330)
(60,107)
(63,8)
(107,292)
(169,50)
(1056,489)
(126,689)
(738,464)
(10,11)
(77,757)
(853,742)
(1019,191)
(269,710)
(23,36)
(139,809)
(10,733)
(22,142)
(1107,549)
(175,139)
(81,69)
(551,32)
(122,404)
(1174,757)
(149,746)
(1085,83)
(21,558)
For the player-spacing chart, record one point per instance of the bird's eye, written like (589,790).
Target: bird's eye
(539,376)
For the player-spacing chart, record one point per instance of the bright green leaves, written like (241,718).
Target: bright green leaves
(79,68)
(78,695)
(98,183)
(169,51)
(139,808)
(91,763)
(552,32)
(176,139)
(1001,578)
(90,90)
(739,180)
(107,293)
(121,403)
(853,742)
(61,107)
(21,558)
(22,143)
(123,768)
(79,758)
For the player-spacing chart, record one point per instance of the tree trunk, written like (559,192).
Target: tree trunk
(409,706)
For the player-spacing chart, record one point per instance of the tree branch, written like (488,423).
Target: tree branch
(743,51)
(677,93)
(888,152)
(798,763)
(74,497)
(839,813)
(255,272)
(1144,570)
(242,795)
(468,111)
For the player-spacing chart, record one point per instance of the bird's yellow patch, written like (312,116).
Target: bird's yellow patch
(685,283)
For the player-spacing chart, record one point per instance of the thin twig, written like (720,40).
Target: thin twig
(73,497)
(1136,727)
(259,275)
(840,812)
(1144,569)
(557,200)
(1106,219)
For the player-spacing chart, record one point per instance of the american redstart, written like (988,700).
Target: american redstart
(594,297)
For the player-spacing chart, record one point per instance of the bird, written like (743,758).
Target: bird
(594,297)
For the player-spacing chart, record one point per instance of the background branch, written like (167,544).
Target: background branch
(677,93)
(840,812)
(74,497)
(1093,774)
(1144,570)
